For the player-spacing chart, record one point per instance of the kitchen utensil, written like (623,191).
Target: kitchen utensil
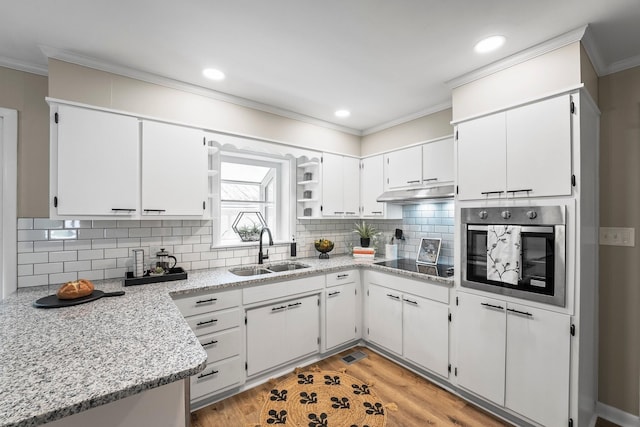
(163,258)
(52,301)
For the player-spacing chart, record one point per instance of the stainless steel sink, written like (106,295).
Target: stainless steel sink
(286,266)
(249,271)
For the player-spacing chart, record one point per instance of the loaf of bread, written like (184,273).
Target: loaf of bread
(75,289)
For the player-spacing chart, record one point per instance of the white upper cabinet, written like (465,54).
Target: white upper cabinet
(372,185)
(174,170)
(523,152)
(404,168)
(340,185)
(437,162)
(539,148)
(94,163)
(482,157)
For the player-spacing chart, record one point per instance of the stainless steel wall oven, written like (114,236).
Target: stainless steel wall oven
(533,239)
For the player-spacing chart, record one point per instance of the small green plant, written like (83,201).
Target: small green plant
(365,230)
(249,233)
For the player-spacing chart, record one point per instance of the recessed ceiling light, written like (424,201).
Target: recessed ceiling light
(213,74)
(342,113)
(489,44)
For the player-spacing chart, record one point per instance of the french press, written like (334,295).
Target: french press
(163,260)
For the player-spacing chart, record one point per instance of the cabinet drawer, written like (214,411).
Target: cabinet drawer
(216,376)
(213,322)
(342,278)
(282,289)
(196,304)
(221,345)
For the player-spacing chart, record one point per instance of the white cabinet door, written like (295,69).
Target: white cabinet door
(174,170)
(437,162)
(481,334)
(340,315)
(332,185)
(281,332)
(482,157)
(265,330)
(404,167)
(351,186)
(302,333)
(537,370)
(426,333)
(97,163)
(539,148)
(372,185)
(385,318)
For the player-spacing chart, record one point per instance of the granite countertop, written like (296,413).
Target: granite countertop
(57,362)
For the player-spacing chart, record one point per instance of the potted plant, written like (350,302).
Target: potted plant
(366,232)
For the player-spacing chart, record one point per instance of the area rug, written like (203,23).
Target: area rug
(317,398)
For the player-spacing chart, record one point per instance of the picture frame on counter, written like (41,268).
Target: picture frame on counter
(429,250)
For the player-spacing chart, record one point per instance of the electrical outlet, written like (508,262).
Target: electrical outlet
(618,236)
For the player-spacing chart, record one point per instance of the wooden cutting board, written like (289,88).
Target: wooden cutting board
(52,301)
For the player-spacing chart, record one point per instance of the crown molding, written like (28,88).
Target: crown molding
(517,58)
(622,65)
(23,66)
(408,118)
(591,47)
(86,61)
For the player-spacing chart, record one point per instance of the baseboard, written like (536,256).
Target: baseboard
(617,416)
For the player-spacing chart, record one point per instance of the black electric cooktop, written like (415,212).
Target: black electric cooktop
(440,270)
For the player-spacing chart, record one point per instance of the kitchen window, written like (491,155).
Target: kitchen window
(253,192)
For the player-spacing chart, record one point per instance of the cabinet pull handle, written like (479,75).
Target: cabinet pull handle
(338,212)
(210,343)
(499,307)
(350,213)
(524,313)
(415,181)
(342,276)
(155,210)
(279,308)
(206,322)
(393,296)
(202,301)
(486,193)
(295,304)
(122,210)
(526,190)
(334,293)
(410,301)
(206,375)
(377,212)
(429,179)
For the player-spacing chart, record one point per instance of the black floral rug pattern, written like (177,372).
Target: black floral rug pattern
(323,399)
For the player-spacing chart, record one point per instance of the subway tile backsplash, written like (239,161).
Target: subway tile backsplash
(54,251)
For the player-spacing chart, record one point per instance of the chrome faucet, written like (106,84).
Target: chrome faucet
(262,257)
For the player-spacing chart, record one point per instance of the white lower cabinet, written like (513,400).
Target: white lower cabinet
(412,326)
(216,319)
(281,332)
(515,356)
(385,318)
(340,315)
(425,333)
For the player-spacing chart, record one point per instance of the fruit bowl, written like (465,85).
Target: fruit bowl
(324,246)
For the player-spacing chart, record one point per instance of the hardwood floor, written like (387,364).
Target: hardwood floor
(420,403)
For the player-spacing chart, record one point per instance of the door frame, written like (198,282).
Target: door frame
(9,197)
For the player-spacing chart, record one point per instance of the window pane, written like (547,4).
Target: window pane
(238,191)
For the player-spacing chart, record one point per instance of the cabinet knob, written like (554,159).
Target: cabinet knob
(483,214)
(506,214)
(532,214)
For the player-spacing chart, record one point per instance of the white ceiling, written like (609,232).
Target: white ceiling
(382,59)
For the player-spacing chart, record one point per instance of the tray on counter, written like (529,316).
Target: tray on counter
(176,273)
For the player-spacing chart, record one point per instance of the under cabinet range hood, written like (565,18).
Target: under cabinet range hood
(409,196)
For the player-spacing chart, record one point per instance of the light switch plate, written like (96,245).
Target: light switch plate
(618,236)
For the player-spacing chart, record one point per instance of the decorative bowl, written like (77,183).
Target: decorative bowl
(324,246)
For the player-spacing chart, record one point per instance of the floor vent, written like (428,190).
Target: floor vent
(353,357)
